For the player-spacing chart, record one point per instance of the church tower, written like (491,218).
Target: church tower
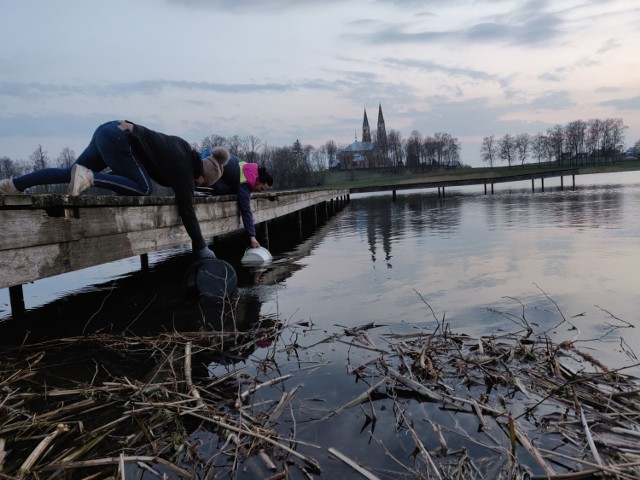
(366,131)
(382,132)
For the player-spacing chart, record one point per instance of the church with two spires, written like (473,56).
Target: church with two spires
(368,152)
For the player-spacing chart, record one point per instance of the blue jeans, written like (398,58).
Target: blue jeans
(110,148)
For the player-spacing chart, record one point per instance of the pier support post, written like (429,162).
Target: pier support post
(144,262)
(542,181)
(300,225)
(533,189)
(561,182)
(265,233)
(16,299)
(394,195)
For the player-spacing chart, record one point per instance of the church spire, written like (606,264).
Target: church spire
(366,131)
(382,131)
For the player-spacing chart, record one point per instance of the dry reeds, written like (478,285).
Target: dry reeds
(103,406)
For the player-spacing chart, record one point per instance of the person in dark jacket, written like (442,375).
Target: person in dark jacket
(243,178)
(134,155)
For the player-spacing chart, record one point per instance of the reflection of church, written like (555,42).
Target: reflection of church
(366,153)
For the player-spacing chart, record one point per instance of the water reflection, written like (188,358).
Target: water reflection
(470,255)
(587,209)
(139,303)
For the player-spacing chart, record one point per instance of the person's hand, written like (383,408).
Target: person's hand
(254,242)
(205,253)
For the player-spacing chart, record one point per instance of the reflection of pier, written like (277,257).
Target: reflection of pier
(282,269)
(486,181)
(46,235)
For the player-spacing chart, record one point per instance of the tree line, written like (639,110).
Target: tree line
(296,166)
(301,165)
(574,144)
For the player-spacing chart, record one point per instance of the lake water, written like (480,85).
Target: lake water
(473,257)
(565,261)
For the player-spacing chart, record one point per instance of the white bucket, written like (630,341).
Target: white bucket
(256,256)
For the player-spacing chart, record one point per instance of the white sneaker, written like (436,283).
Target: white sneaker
(7,187)
(81,179)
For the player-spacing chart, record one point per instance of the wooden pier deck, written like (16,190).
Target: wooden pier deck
(46,235)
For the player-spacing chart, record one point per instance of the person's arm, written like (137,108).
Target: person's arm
(187,211)
(244,203)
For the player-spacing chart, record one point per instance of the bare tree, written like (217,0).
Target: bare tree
(329,150)
(523,142)
(428,152)
(413,146)
(253,144)
(66,158)
(437,146)
(236,146)
(318,160)
(575,136)
(447,149)
(489,150)
(555,142)
(539,146)
(507,149)
(292,167)
(39,158)
(592,140)
(213,141)
(394,142)
(613,136)
(7,168)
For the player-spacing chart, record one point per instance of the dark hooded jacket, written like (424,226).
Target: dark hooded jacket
(171,162)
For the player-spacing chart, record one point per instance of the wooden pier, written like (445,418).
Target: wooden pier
(487,181)
(46,235)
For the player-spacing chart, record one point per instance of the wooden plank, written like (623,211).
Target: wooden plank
(47,235)
(22,228)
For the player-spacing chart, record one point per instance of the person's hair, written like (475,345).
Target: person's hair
(264,176)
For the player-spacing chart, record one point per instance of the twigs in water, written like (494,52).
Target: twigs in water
(450,406)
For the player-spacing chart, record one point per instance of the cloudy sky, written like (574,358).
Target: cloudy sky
(283,70)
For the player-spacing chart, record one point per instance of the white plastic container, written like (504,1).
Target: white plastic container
(256,256)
